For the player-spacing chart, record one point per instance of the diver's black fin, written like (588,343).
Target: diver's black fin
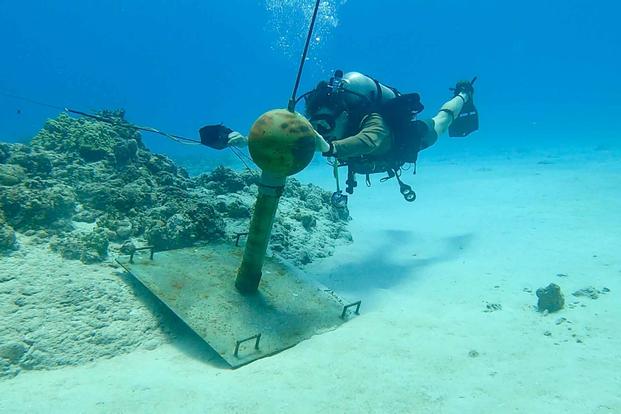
(467,121)
(215,136)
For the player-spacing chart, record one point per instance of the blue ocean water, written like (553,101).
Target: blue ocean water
(548,70)
(433,275)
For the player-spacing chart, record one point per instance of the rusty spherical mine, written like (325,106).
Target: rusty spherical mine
(281,142)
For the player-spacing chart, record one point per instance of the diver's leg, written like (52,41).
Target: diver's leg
(449,111)
(429,136)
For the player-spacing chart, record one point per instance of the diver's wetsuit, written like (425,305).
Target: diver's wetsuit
(375,137)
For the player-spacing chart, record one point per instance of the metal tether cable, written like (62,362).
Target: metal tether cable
(239,153)
(177,138)
(21,98)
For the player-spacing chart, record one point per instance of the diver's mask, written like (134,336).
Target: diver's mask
(329,100)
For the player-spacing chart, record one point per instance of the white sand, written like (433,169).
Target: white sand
(482,231)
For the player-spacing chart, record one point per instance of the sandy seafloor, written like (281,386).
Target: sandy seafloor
(486,230)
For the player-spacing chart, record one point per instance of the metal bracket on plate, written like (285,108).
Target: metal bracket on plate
(237,236)
(357,311)
(241,341)
(151,248)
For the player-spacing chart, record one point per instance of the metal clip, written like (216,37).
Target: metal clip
(238,343)
(237,236)
(357,311)
(151,248)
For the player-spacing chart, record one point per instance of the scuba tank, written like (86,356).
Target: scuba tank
(363,90)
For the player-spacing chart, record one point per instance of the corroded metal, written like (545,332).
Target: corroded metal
(197,285)
(281,143)
(249,273)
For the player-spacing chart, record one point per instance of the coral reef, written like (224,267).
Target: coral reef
(7,236)
(83,191)
(82,171)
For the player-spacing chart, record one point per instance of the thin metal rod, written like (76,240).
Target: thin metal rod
(177,138)
(101,118)
(292,101)
(137,127)
(32,101)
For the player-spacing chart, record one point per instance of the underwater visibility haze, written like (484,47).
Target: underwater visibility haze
(138,267)
(544,67)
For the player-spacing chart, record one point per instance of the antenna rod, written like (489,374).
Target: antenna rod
(292,100)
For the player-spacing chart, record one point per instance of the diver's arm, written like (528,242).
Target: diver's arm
(449,111)
(374,136)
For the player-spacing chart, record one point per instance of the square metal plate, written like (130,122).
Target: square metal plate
(197,284)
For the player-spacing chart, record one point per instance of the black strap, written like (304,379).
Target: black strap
(448,111)
(391,173)
(378,87)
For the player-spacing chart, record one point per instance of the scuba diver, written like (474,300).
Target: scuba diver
(372,128)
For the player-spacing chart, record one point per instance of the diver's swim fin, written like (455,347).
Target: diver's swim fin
(468,119)
(215,136)
(466,122)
